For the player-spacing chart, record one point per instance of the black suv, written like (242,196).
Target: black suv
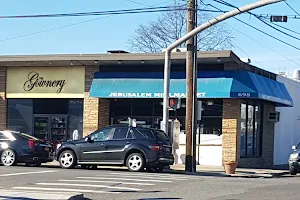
(135,147)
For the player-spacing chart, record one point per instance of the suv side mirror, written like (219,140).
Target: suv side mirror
(294,147)
(88,139)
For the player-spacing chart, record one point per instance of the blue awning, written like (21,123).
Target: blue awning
(212,84)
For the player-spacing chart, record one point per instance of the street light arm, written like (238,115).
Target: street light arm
(197,30)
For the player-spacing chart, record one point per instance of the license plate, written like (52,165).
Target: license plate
(47,148)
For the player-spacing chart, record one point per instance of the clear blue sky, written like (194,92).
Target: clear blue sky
(113,32)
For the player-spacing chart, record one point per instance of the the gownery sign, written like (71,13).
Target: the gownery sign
(45,82)
(35,81)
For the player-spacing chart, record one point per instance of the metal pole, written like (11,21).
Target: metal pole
(195,91)
(197,30)
(165,122)
(189,157)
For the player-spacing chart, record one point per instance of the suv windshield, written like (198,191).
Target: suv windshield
(160,135)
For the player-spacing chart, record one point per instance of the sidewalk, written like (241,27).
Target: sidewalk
(211,171)
(240,172)
(25,195)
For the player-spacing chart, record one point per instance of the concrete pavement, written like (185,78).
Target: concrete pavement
(119,184)
(240,172)
(212,171)
(28,195)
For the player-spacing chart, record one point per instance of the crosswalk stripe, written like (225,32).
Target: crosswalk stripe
(88,185)
(64,190)
(148,177)
(154,175)
(126,179)
(26,173)
(113,182)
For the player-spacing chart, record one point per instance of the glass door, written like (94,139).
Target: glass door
(41,127)
(58,127)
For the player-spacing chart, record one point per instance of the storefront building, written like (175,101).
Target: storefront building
(61,97)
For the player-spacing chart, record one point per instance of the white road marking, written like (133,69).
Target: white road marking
(88,185)
(126,179)
(148,177)
(113,182)
(64,190)
(26,173)
(154,175)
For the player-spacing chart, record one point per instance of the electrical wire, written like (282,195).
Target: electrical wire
(230,5)
(257,40)
(286,28)
(111,12)
(291,7)
(60,27)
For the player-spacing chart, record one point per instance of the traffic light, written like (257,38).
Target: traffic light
(175,104)
(278,18)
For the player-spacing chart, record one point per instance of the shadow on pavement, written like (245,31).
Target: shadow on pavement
(159,198)
(15,198)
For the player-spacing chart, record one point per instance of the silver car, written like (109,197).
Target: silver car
(294,160)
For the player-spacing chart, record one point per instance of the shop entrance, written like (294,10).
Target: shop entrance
(50,127)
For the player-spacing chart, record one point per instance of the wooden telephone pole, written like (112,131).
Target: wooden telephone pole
(190,97)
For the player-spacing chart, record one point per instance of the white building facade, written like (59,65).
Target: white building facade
(287,130)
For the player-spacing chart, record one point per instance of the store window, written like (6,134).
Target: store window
(19,115)
(75,119)
(251,130)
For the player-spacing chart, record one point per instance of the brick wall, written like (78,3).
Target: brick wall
(230,130)
(91,105)
(3,102)
(95,111)
(103,113)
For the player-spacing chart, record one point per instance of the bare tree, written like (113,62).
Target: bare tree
(171,25)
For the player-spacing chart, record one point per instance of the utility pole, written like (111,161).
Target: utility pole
(190,111)
(195,91)
(202,27)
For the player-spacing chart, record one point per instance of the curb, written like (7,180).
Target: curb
(19,194)
(237,175)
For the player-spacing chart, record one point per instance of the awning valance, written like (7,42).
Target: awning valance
(212,84)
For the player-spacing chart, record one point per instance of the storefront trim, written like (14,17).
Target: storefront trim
(44,95)
(211,84)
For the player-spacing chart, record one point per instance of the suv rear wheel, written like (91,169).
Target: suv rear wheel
(135,162)
(67,159)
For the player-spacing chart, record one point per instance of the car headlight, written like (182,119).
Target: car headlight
(294,156)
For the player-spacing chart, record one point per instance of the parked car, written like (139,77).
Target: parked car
(16,147)
(135,147)
(294,160)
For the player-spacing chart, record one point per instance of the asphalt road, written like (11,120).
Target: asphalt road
(121,184)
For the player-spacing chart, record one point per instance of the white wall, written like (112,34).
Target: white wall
(287,130)
(209,155)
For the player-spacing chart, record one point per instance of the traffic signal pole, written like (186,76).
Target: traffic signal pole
(188,36)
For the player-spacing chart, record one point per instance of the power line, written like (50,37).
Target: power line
(111,12)
(257,40)
(60,27)
(230,5)
(276,28)
(286,28)
(291,7)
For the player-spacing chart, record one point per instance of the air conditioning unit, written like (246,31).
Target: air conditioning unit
(273,116)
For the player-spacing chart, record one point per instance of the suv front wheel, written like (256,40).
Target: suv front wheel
(67,159)
(135,162)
